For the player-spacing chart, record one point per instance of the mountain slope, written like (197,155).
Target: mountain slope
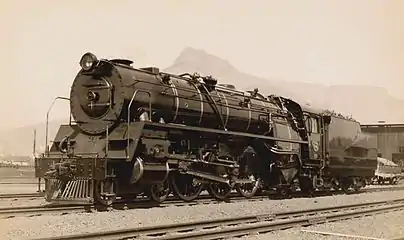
(20,141)
(364,103)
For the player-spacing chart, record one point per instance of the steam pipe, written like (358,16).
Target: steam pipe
(129,107)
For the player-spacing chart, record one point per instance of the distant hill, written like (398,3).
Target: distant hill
(19,141)
(367,104)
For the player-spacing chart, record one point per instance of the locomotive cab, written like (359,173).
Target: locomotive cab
(342,155)
(316,125)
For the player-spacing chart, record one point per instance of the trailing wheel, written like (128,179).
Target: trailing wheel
(248,190)
(219,191)
(186,187)
(159,192)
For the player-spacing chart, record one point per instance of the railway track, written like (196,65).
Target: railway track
(40,195)
(20,183)
(236,227)
(21,195)
(31,211)
(39,210)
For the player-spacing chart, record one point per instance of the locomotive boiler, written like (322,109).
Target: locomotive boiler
(142,131)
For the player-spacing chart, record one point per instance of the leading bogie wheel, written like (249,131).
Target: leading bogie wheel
(107,197)
(248,190)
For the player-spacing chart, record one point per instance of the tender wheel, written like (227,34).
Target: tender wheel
(306,186)
(357,188)
(284,193)
(248,190)
(108,197)
(345,188)
(186,187)
(159,192)
(220,191)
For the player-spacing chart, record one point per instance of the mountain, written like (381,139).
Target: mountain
(367,104)
(20,141)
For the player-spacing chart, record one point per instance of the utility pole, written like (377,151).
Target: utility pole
(34,146)
(384,138)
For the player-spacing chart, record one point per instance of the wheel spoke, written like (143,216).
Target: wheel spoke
(184,187)
(220,191)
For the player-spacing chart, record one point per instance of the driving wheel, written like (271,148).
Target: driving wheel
(219,191)
(186,187)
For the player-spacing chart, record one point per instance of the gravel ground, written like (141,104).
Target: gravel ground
(89,222)
(381,226)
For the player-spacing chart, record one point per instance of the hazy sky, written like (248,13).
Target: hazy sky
(328,42)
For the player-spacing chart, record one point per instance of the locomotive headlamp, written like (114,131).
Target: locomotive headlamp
(87,61)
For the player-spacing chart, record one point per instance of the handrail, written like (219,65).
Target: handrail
(47,121)
(128,120)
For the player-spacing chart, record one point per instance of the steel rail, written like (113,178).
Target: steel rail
(21,195)
(18,183)
(141,203)
(231,227)
(38,210)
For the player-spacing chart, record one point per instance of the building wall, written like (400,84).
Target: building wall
(390,140)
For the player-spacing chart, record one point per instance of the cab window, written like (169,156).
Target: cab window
(314,125)
(306,122)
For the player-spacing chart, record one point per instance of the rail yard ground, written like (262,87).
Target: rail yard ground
(378,226)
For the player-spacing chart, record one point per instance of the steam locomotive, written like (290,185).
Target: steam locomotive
(141,131)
